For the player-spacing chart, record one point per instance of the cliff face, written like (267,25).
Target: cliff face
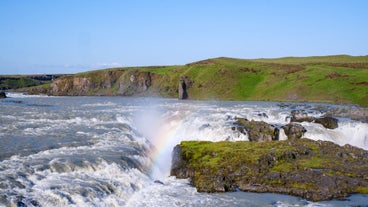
(108,82)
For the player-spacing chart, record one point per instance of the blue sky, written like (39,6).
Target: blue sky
(70,36)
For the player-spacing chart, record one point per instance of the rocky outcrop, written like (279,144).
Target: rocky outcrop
(300,116)
(351,112)
(184,83)
(177,164)
(2,95)
(258,131)
(314,170)
(327,121)
(294,130)
(114,82)
(134,83)
(81,85)
(182,90)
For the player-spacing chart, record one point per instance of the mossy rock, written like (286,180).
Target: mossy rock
(315,170)
(258,131)
(294,130)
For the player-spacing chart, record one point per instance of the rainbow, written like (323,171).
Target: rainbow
(164,141)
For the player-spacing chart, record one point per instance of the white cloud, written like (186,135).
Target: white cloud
(105,65)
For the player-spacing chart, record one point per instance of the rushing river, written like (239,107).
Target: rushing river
(115,151)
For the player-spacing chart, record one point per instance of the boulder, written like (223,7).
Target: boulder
(2,95)
(263,115)
(300,116)
(258,131)
(327,122)
(294,130)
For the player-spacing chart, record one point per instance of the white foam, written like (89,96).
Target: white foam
(282,135)
(348,132)
(108,103)
(23,95)
(114,128)
(174,192)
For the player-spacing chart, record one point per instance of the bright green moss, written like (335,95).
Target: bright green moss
(362,189)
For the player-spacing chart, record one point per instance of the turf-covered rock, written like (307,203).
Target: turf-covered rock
(315,170)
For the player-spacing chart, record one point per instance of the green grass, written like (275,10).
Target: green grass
(15,82)
(313,79)
(333,59)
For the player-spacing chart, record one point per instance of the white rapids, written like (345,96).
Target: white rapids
(114,151)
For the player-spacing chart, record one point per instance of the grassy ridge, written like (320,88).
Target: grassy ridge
(334,79)
(13,82)
(338,79)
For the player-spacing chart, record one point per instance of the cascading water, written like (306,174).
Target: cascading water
(109,151)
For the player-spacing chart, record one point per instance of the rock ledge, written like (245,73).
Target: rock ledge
(314,170)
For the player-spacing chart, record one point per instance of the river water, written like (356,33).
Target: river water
(115,151)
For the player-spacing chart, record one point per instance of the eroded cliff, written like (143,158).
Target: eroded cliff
(107,82)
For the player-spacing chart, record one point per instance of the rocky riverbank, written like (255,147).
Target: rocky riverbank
(314,170)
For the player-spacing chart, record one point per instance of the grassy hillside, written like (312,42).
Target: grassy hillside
(333,79)
(13,82)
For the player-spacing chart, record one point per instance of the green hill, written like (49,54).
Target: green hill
(333,79)
(13,82)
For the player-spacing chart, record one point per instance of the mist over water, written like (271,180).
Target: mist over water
(109,151)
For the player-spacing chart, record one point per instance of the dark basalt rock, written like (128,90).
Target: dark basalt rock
(182,90)
(327,121)
(184,84)
(294,130)
(159,182)
(178,160)
(258,131)
(2,95)
(264,115)
(314,170)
